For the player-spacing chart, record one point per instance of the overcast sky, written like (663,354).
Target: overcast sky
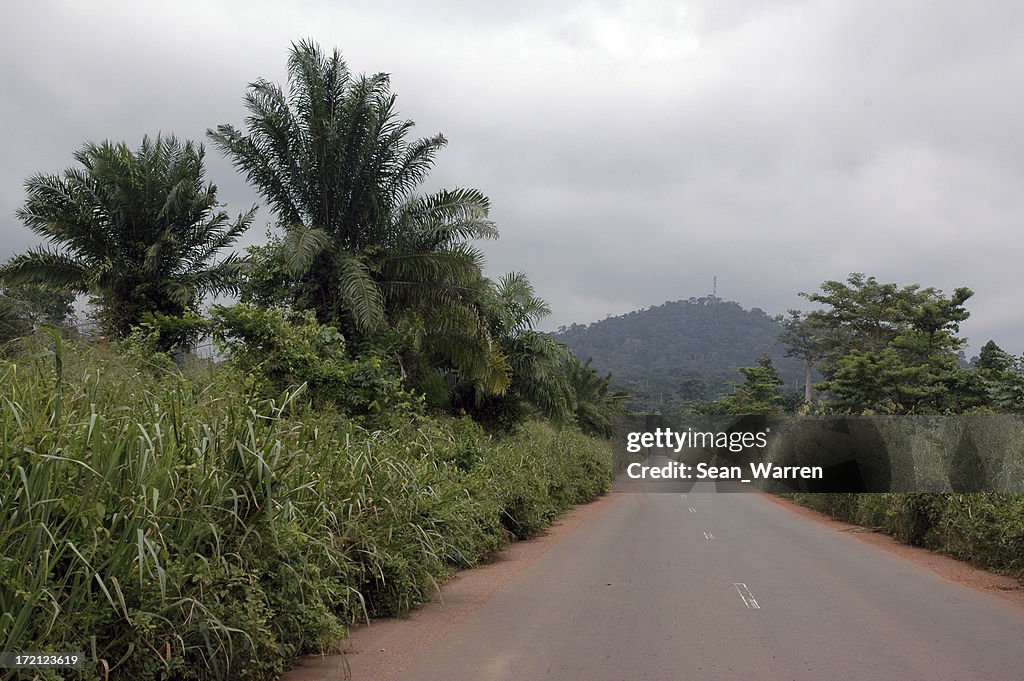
(631,150)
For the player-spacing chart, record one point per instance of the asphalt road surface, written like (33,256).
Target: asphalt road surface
(682,585)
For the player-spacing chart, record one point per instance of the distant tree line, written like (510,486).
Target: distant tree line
(866,347)
(882,348)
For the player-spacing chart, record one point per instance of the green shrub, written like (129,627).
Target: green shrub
(278,349)
(177,526)
(986,529)
(541,471)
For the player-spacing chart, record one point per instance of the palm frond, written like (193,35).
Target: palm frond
(302,245)
(359,293)
(414,164)
(519,308)
(449,268)
(216,237)
(46,267)
(538,375)
(218,279)
(447,217)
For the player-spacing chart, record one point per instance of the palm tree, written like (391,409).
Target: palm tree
(597,407)
(332,159)
(536,361)
(138,231)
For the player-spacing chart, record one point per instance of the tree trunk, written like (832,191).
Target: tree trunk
(808,370)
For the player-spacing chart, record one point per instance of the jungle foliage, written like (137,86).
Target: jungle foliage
(217,522)
(372,414)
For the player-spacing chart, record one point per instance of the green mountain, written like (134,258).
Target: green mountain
(682,351)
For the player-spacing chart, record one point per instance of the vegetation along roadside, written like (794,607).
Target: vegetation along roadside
(372,411)
(373,414)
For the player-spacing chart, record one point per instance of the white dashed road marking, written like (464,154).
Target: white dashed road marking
(748,598)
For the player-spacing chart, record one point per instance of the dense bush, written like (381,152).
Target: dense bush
(176,526)
(274,349)
(983,528)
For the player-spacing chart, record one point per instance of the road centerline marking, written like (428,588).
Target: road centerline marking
(748,598)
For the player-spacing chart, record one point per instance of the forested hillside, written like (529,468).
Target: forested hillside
(681,352)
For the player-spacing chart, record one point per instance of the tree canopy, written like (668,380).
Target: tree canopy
(138,231)
(759,393)
(333,160)
(357,243)
(885,348)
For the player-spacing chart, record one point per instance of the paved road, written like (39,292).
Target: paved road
(697,586)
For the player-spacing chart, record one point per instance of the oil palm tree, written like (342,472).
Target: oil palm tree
(536,361)
(332,159)
(138,231)
(598,408)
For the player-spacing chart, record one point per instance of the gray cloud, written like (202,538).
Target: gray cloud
(632,150)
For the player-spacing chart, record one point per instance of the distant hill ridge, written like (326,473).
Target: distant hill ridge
(681,351)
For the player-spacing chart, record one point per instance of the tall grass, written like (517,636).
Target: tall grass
(173,526)
(986,529)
